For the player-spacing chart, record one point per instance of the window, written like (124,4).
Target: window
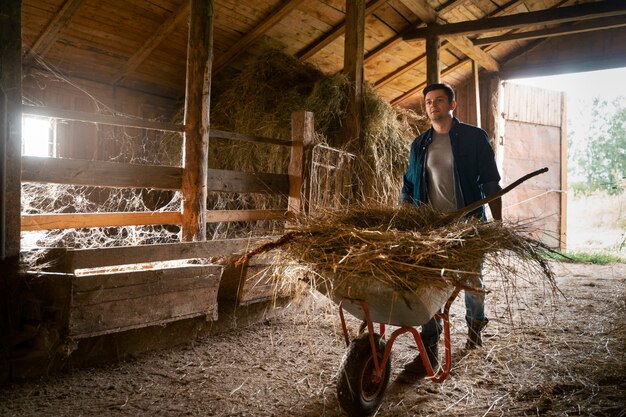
(38,138)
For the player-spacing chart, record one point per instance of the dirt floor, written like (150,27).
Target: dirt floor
(558,357)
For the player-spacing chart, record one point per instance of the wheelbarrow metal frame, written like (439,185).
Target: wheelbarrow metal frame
(380,364)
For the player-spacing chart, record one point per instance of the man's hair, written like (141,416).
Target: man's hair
(440,86)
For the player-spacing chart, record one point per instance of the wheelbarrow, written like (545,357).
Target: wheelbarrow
(366,367)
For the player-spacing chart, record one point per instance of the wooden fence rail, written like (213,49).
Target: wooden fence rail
(125,175)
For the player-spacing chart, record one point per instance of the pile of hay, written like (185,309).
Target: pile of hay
(261,98)
(402,248)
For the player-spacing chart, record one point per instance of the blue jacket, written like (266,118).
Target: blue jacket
(475,171)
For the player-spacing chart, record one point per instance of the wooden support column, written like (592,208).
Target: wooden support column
(563,194)
(10,128)
(353,68)
(302,137)
(476,88)
(197,105)
(433,71)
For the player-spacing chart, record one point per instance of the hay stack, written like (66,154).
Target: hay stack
(402,248)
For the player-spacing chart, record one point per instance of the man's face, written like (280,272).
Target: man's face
(437,105)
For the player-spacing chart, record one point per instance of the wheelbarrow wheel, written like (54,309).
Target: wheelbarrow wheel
(359,390)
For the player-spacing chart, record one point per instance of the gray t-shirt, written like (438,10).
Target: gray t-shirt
(440,173)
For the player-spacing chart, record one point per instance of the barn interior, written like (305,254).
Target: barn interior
(179,134)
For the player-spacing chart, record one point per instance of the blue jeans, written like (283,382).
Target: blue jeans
(474,310)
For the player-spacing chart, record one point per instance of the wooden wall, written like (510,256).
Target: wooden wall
(83,140)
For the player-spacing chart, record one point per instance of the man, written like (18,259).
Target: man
(450,166)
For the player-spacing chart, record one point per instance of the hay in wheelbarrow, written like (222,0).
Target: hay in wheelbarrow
(407,247)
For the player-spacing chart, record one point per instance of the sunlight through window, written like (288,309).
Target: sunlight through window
(37,136)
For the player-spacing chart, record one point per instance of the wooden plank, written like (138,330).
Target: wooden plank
(214,133)
(584,11)
(115,286)
(99,118)
(10,128)
(152,43)
(336,32)
(108,310)
(259,30)
(353,68)
(100,173)
(429,15)
(302,133)
(563,194)
(433,69)
(48,37)
(243,182)
(476,90)
(71,260)
(32,222)
(197,105)
(219,216)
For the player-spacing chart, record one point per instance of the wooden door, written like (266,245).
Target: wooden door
(534,136)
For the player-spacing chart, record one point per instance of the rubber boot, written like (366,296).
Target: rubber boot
(474,338)
(415,369)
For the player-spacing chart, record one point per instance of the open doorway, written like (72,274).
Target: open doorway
(596,161)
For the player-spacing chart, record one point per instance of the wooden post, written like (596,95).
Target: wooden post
(476,88)
(302,136)
(433,71)
(563,195)
(353,67)
(10,128)
(197,105)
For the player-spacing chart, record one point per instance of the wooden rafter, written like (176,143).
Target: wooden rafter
(568,29)
(420,59)
(397,38)
(335,33)
(428,15)
(48,37)
(152,43)
(276,16)
(585,11)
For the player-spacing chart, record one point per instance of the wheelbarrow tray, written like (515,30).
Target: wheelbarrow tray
(387,304)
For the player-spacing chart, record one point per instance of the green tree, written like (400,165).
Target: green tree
(603,157)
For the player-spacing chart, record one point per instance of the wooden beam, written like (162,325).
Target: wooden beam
(33,222)
(353,68)
(302,134)
(48,37)
(10,130)
(501,10)
(152,43)
(197,105)
(421,86)
(335,33)
(568,29)
(563,193)
(259,30)
(242,182)
(214,133)
(397,38)
(475,53)
(433,71)
(99,173)
(584,11)
(71,260)
(429,15)
(476,90)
